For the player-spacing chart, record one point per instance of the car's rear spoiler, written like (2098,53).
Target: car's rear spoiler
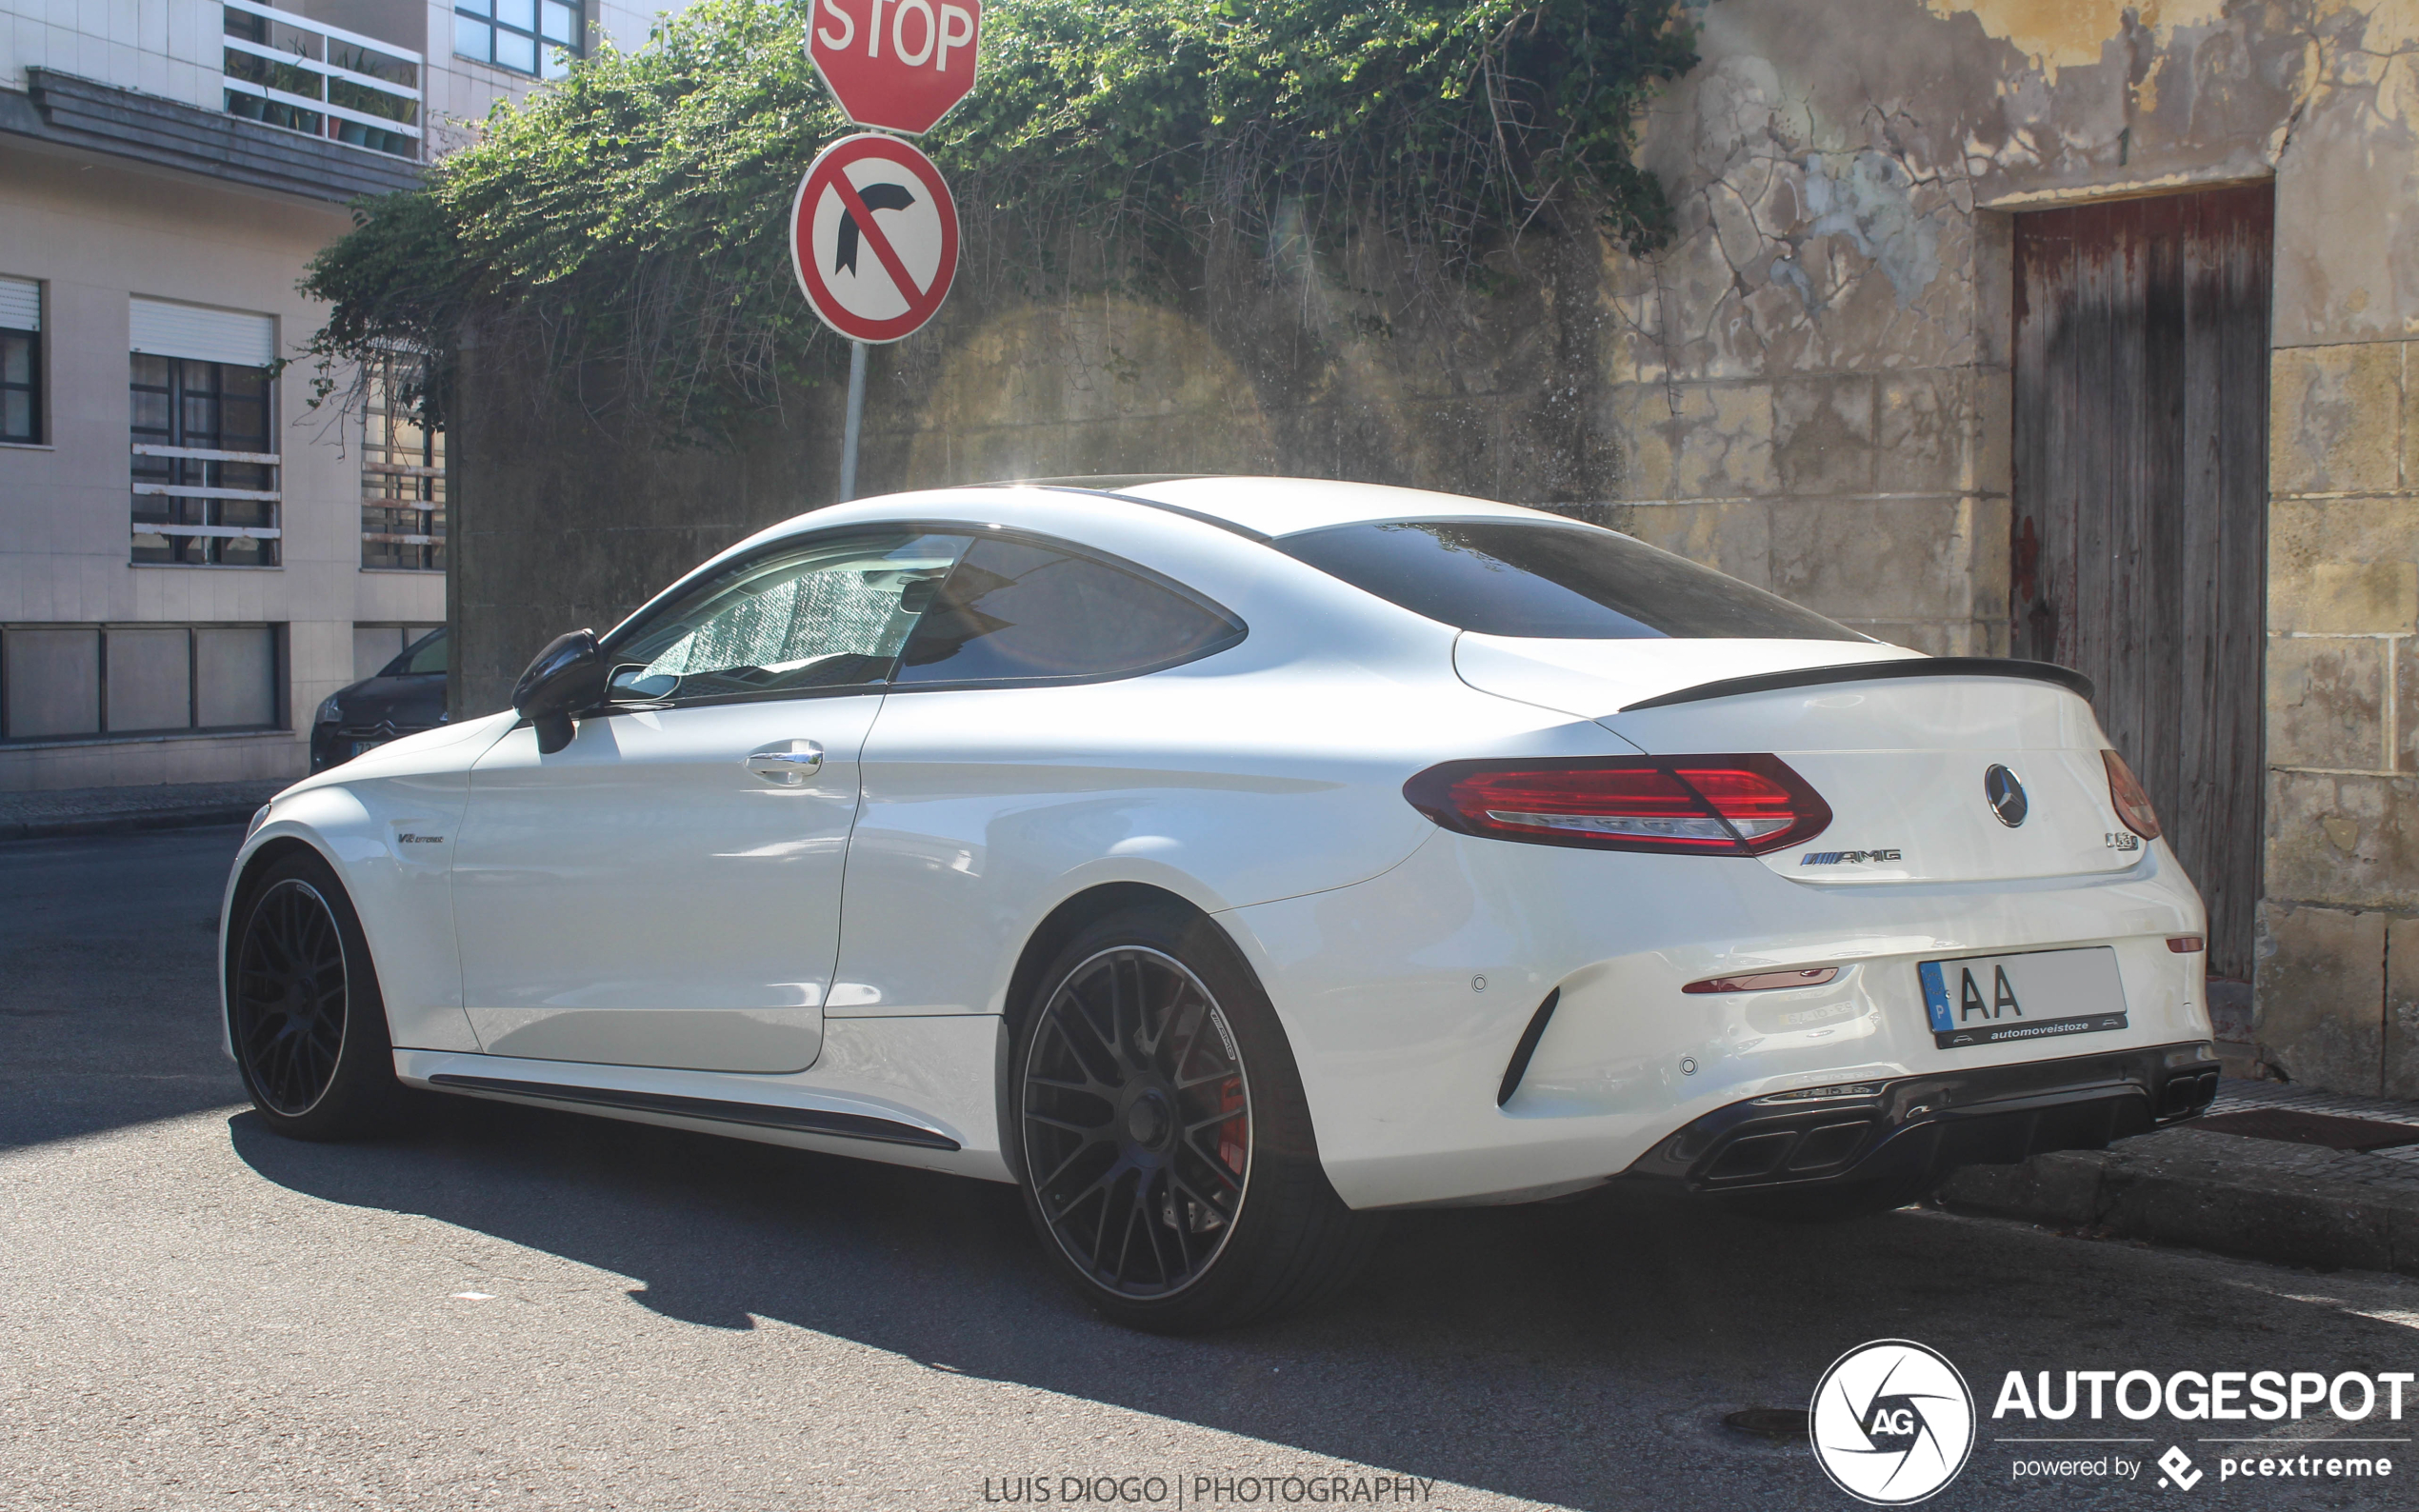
(2068,678)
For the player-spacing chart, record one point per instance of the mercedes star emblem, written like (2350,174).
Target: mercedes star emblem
(2006,796)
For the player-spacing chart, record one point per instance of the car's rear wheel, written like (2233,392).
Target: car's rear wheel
(308,1025)
(1164,1139)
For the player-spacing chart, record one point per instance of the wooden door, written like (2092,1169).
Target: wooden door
(2140,540)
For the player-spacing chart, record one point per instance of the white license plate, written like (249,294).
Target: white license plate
(2037,995)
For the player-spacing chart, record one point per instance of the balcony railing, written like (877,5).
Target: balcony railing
(288,70)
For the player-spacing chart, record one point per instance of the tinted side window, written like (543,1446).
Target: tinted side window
(824,612)
(1013,611)
(1568,582)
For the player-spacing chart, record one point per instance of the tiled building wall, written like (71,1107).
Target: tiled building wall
(93,232)
(64,506)
(168,48)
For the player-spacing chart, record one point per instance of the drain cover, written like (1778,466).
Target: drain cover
(2327,1129)
(1769,1423)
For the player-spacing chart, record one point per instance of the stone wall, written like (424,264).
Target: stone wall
(1810,389)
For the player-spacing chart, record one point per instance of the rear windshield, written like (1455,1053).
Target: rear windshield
(1551,580)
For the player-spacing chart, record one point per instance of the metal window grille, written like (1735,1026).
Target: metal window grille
(288,71)
(402,478)
(528,37)
(205,466)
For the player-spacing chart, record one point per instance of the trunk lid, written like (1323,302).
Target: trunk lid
(1904,761)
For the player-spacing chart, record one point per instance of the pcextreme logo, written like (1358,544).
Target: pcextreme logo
(1892,1423)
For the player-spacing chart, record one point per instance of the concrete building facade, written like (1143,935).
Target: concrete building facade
(194,556)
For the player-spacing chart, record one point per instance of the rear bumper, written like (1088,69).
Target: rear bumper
(1406,999)
(1919,1128)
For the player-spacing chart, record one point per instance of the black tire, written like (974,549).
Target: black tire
(303,1012)
(1133,1120)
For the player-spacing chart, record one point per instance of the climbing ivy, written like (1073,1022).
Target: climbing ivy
(633,214)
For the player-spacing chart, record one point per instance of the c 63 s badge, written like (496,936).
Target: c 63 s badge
(1848,857)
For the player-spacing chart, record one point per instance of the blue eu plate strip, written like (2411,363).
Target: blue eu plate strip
(1937,997)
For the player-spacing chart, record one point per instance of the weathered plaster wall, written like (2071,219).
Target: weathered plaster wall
(1811,386)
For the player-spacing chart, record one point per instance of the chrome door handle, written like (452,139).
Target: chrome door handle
(788,768)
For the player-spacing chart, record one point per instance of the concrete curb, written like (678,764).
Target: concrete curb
(127,823)
(2205,1191)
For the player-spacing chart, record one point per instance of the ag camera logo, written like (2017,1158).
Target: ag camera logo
(1892,1423)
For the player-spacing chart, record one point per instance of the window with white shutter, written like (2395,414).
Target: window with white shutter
(206,471)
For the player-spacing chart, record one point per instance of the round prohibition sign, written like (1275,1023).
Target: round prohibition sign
(873,237)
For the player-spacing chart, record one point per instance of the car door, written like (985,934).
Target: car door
(665,890)
(1023,739)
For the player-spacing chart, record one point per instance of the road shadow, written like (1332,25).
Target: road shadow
(1488,1347)
(109,993)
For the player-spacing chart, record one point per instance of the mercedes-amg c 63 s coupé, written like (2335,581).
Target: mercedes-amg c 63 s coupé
(1225,861)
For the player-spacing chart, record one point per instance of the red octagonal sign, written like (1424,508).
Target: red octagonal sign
(899,65)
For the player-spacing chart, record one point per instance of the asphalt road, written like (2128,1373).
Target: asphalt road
(513,1308)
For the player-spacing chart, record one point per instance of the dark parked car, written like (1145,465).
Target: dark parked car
(407,695)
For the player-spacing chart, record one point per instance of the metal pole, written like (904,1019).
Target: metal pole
(857,421)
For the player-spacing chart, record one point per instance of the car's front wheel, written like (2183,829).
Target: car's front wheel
(308,1025)
(1164,1137)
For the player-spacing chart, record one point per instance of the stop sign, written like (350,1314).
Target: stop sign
(898,65)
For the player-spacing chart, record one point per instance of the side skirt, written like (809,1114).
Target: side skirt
(753,1115)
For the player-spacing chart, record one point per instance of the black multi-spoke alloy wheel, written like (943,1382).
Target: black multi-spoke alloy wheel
(1162,1133)
(308,1027)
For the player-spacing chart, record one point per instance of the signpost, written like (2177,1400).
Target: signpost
(873,230)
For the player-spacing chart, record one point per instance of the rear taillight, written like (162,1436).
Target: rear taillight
(2132,804)
(1705,805)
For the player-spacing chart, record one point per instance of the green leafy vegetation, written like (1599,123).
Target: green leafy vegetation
(635,215)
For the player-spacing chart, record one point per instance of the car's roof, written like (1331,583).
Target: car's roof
(1274,506)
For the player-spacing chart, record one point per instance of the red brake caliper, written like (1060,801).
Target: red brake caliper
(1236,1133)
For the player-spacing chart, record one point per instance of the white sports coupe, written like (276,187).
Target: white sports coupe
(1227,860)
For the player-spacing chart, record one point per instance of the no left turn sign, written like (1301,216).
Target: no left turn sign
(873,237)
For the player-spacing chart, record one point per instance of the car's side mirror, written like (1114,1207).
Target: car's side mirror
(563,681)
